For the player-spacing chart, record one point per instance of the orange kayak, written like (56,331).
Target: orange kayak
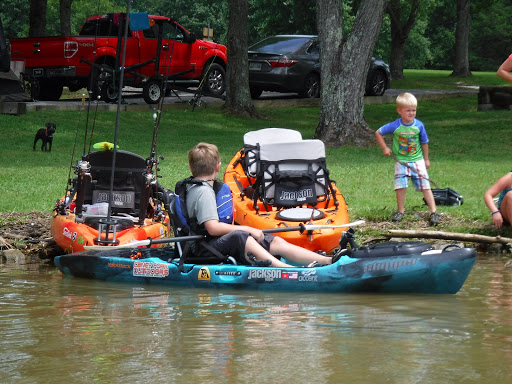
(253,208)
(81,217)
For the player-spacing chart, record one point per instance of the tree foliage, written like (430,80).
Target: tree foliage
(430,43)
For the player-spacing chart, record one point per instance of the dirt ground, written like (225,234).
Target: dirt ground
(28,232)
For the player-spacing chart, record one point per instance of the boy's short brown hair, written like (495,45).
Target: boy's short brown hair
(203,159)
(406,100)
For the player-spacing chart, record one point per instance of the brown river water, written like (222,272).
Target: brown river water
(56,329)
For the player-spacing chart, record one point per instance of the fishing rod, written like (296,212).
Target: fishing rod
(153,160)
(82,168)
(108,225)
(148,242)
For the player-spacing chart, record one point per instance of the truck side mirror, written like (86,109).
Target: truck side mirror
(191,39)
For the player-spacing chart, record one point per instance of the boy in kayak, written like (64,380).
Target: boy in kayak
(410,150)
(249,245)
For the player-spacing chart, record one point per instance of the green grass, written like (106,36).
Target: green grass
(469,150)
(430,79)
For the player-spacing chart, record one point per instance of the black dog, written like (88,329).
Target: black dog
(46,135)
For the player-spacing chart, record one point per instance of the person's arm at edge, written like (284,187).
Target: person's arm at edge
(505,69)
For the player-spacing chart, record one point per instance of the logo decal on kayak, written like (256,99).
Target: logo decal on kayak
(119,265)
(150,269)
(301,195)
(309,275)
(204,274)
(267,274)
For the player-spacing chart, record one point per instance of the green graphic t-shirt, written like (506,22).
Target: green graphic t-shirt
(407,139)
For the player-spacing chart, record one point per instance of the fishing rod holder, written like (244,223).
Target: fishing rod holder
(107,231)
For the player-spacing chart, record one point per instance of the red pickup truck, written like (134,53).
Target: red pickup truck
(93,59)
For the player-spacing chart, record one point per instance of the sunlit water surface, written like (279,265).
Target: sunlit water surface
(57,329)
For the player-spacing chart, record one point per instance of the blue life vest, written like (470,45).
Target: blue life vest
(222,196)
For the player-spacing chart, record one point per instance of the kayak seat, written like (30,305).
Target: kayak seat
(194,251)
(292,174)
(128,181)
(253,139)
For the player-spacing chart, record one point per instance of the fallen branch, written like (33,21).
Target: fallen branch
(470,237)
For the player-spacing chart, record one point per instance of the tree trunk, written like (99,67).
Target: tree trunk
(65,17)
(238,97)
(345,67)
(399,35)
(461,62)
(37,18)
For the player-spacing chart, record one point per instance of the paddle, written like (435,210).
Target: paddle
(148,242)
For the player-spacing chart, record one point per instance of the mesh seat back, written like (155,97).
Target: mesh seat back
(293,173)
(264,136)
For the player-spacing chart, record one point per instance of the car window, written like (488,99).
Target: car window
(314,49)
(100,27)
(279,44)
(170,31)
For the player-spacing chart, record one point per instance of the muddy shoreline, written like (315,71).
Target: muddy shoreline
(26,237)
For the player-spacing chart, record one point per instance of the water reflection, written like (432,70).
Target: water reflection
(57,329)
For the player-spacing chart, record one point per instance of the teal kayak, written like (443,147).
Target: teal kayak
(432,271)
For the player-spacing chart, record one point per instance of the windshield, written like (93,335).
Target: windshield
(279,44)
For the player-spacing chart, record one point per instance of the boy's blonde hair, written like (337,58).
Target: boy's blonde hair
(406,100)
(203,159)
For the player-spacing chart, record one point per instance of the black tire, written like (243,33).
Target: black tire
(108,93)
(32,88)
(215,80)
(103,83)
(311,88)
(152,91)
(47,90)
(92,85)
(255,92)
(376,84)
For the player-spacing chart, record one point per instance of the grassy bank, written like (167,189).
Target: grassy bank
(429,79)
(469,151)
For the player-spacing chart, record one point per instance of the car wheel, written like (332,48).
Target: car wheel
(311,88)
(255,92)
(152,91)
(377,84)
(215,80)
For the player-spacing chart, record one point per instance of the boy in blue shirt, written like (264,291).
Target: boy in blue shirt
(240,241)
(410,149)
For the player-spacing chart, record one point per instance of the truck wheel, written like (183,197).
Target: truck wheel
(215,80)
(32,88)
(152,91)
(109,94)
(47,90)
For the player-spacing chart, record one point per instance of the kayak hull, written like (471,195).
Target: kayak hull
(433,272)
